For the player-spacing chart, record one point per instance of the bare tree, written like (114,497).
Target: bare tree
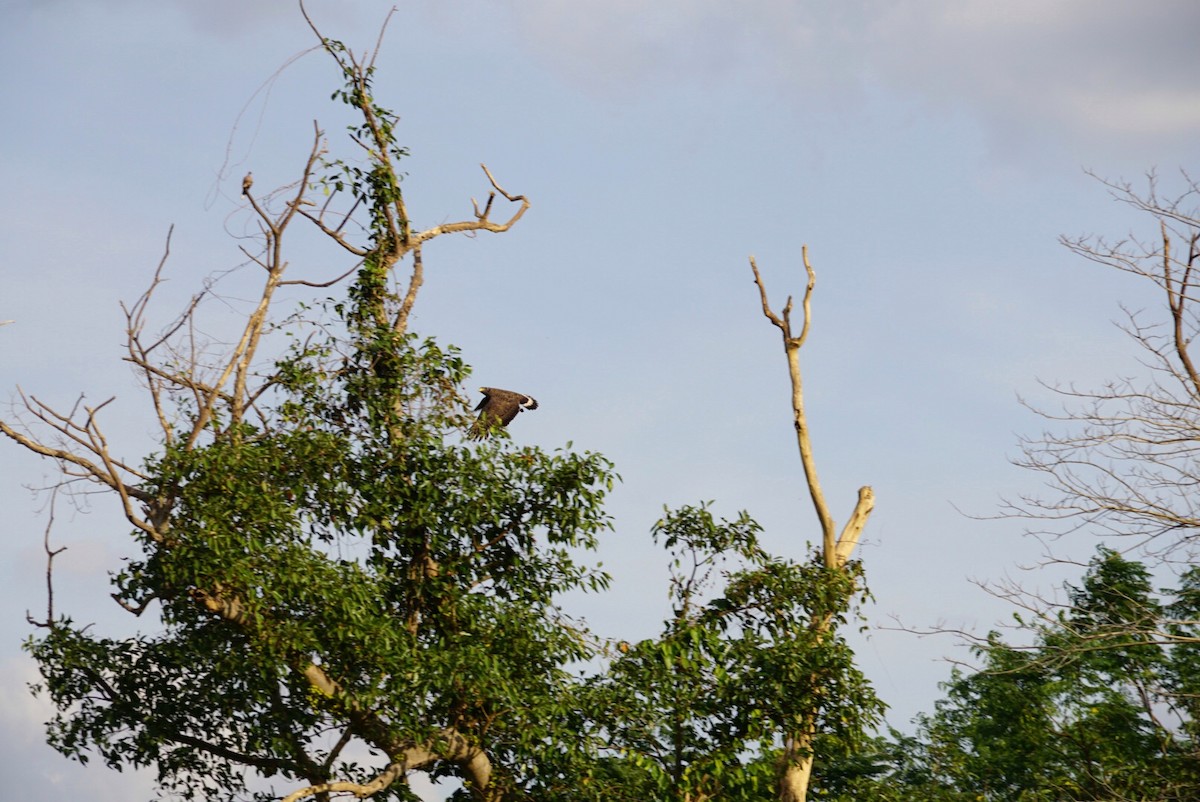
(1123,460)
(836,547)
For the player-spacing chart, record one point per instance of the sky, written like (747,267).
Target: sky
(929,154)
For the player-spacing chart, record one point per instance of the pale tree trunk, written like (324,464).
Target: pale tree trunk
(793,784)
(797,761)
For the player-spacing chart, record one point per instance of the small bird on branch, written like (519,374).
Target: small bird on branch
(247,182)
(497,409)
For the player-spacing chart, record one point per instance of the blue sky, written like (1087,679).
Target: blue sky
(928,153)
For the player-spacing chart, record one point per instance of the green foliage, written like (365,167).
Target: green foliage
(699,709)
(420,572)
(1100,707)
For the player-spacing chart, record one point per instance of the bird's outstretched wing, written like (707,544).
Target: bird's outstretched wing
(497,410)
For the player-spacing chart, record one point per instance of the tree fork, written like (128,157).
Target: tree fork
(797,761)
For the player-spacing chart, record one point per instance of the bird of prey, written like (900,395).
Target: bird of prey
(497,409)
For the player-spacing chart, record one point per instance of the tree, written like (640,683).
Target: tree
(337,588)
(1119,462)
(701,712)
(1101,705)
(833,555)
(1091,710)
(750,675)
(1123,461)
(344,591)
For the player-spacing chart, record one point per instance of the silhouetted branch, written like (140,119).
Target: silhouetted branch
(50,555)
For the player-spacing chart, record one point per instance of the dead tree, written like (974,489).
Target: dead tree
(836,547)
(1120,461)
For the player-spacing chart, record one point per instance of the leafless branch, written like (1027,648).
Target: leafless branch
(107,472)
(379,41)
(835,548)
(335,233)
(136,610)
(1123,458)
(323,284)
(393,772)
(50,555)
(482,221)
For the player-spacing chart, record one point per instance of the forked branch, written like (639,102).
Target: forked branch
(482,221)
(836,549)
(50,555)
(798,743)
(1122,461)
(1178,287)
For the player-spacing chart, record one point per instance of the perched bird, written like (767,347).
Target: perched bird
(247,182)
(497,409)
